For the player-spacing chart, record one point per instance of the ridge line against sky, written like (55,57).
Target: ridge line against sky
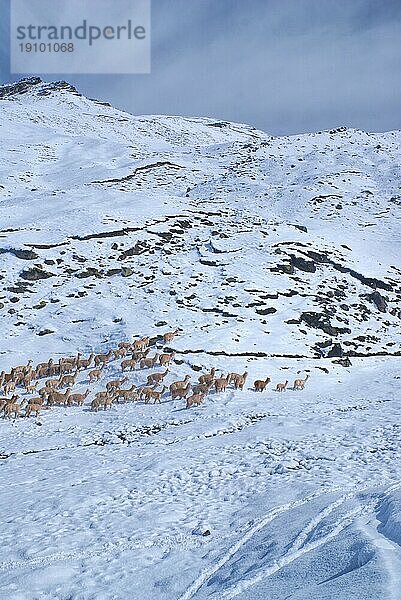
(283,66)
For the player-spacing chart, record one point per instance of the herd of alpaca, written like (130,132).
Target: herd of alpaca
(61,376)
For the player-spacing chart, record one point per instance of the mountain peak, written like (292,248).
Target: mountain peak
(36,86)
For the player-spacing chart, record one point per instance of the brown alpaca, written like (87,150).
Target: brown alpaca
(58,398)
(156,377)
(179,384)
(125,345)
(45,391)
(78,399)
(202,388)
(12,408)
(165,358)
(144,391)
(66,366)
(71,360)
(299,384)
(120,353)
(221,383)
(95,404)
(42,369)
(195,399)
(53,383)
(21,368)
(236,376)
(154,395)
(31,387)
(101,395)
(66,380)
(33,408)
(103,358)
(141,344)
(181,392)
(129,363)
(130,394)
(36,400)
(139,354)
(9,387)
(107,402)
(95,374)
(208,378)
(149,363)
(4,401)
(260,384)
(115,383)
(280,387)
(170,335)
(84,363)
(240,380)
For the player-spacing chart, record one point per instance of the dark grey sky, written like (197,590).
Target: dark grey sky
(284,66)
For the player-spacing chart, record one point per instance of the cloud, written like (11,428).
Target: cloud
(284,66)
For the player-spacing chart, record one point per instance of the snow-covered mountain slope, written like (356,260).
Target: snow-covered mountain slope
(275,256)
(209,216)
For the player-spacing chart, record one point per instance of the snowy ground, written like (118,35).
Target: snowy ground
(300,491)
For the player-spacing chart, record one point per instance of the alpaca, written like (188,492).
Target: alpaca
(129,363)
(149,363)
(141,344)
(221,383)
(153,394)
(299,384)
(169,336)
(165,358)
(179,384)
(115,383)
(239,381)
(202,388)
(194,399)
(95,374)
(208,378)
(181,392)
(79,399)
(260,384)
(102,358)
(156,377)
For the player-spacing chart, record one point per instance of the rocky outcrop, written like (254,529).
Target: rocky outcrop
(378,300)
(35,274)
(321,321)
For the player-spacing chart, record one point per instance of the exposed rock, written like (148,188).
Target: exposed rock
(378,300)
(286,268)
(335,351)
(321,321)
(139,248)
(300,227)
(266,311)
(126,271)
(90,272)
(35,274)
(22,254)
(345,362)
(40,305)
(303,265)
(112,272)
(21,87)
